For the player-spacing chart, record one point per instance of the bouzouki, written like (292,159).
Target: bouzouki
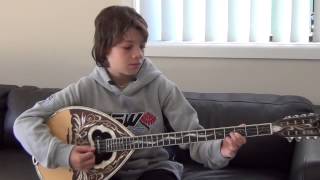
(114,143)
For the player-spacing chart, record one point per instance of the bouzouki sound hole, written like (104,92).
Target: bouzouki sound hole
(101,156)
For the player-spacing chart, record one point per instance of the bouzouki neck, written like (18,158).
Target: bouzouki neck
(177,138)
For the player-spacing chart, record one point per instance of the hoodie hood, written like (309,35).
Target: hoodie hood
(147,73)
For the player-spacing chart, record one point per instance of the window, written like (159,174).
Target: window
(225,24)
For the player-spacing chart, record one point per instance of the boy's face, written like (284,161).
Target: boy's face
(125,58)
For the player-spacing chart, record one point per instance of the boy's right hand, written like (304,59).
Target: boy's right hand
(82,158)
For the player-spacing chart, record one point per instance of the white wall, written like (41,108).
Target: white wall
(48,43)
(294,77)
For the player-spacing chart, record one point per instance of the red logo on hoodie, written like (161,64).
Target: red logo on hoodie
(147,119)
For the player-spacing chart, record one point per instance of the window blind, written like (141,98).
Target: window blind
(232,20)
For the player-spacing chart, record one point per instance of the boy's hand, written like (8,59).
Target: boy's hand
(231,144)
(82,158)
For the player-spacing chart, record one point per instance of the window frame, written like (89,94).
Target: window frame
(233,50)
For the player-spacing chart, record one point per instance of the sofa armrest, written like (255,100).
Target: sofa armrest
(306,161)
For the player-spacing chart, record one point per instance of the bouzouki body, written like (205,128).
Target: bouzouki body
(114,143)
(84,126)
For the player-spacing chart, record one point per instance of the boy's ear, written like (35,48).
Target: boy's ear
(106,62)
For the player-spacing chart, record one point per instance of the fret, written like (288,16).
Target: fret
(144,139)
(160,140)
(185,137)
(154,140)
(133,142)
(193,136)
(260,129)
(111,145)
(197,135)
(118,143)
(172,138)
(264,129)
(98,145)
(179,138)
(205,135)
(166,140)
(149,141)
(121,143)
(202,135)
(252,130)
(114,145)
(129,144)
(140,142)
(241,130)
(229,130)
(124,143)
(211,134)
(107,145)
(220,134)
(136,142)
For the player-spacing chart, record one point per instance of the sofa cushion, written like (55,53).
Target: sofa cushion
(4,91)
(19,100)
(16,165)
(231,109)
(197,172)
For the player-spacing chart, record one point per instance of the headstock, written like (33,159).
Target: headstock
(298,127)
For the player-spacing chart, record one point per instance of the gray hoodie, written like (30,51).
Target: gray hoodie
(151,92)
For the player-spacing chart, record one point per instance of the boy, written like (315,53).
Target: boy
(124,82)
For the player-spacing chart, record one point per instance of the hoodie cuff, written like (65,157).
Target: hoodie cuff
(61,155)
(215,153)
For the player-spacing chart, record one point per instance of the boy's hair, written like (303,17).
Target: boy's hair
(110,26)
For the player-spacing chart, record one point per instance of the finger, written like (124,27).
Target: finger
(227,140)
(239,138)
(235,141)
(84,149)
(88,164)
(86,156)
(230,145)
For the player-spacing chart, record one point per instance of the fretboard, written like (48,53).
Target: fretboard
(176,138)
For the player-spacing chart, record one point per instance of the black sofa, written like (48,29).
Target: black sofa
(262,158)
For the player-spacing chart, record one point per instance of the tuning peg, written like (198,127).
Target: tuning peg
(303,115)
(290,139)
(315,137)
(298,139)
(311,114)
(287,117)
(307,137)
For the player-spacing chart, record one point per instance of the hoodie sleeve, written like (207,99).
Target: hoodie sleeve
(34,135)
(182,116)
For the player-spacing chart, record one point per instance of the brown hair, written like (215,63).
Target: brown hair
(110,26)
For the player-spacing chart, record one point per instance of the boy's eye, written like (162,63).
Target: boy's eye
(127,47)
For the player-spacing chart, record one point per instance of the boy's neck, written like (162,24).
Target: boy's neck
(121,81)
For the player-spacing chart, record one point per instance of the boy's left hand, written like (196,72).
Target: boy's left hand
(231,144)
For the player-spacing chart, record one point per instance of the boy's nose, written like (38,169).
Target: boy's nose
(138,53)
